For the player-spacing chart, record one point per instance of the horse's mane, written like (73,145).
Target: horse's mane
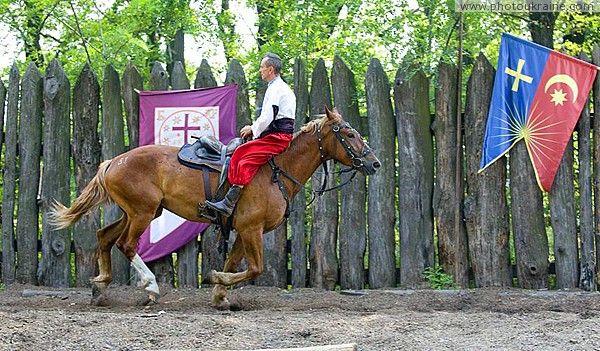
(311,126)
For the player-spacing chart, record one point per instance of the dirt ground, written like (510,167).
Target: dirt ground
(483,319)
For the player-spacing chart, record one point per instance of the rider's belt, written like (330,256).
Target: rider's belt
(282,125)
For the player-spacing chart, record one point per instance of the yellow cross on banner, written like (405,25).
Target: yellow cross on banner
(518,75)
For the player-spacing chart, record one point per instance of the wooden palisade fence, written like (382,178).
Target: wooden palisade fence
(384,226)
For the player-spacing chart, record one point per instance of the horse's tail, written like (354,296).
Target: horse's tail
(93,195)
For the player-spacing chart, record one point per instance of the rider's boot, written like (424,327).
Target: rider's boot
(227,205)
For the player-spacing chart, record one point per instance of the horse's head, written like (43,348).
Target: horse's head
(338,140)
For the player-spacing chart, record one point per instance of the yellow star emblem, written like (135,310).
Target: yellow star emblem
(558,97)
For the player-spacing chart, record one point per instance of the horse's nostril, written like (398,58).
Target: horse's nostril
(376,165)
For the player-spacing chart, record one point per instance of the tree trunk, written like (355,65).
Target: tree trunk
(297,218)
(175,53)
(227,34)
(323,258)
(86,158)
(486,209)
(30,145)
(541,26)
(382,185)
(587,279)
(163,267)
(9,179)
(415,176)
(451,256)
(132,81)
(55,267)
(353,222)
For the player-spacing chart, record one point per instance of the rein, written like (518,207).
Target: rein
(356,158)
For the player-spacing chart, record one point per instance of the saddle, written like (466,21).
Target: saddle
(207,151)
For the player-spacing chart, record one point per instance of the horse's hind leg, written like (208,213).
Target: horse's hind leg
(128,242)
(219,298)
(107,237)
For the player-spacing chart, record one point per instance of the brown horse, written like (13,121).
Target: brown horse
(147,179)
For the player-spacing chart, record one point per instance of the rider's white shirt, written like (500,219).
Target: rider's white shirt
(278,94)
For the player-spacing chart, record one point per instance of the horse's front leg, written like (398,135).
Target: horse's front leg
(251,245)
(219,297)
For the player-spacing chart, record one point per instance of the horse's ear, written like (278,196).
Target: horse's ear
(330,113)
(327,112)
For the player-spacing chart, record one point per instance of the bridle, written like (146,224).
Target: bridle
(357,164)
(357,158)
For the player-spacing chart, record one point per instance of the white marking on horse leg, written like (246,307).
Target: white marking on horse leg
(146,275)
(226,278)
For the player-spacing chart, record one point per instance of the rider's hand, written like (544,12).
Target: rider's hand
(246,132)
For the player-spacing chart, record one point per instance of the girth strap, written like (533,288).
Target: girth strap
(277,179)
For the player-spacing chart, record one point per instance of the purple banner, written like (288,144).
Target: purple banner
(173,118)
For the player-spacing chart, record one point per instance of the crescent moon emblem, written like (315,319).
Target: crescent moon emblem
(566,79)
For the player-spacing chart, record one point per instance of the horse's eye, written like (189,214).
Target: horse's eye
(350,135)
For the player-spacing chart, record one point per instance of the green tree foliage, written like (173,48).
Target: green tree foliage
(78,31)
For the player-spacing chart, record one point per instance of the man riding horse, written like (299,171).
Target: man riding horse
(272,133)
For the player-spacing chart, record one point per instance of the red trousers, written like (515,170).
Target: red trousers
(249,157)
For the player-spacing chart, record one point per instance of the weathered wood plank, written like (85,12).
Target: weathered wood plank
(187,256)
(209,241)
(113,144)
(323,242)
(561,199)
(587,279)
(179,79)
(415,175)
(452,249)
(132,81)
(274,258)
(382,185)
(2,111)
(297,218)
(531,242)
(353,196)
(596,150)
(86,158)
(55,268)
(163,267)
(204,76)
(529,232)
(486,208)
(9,180)
(30,146)
(236,75)
(274,242)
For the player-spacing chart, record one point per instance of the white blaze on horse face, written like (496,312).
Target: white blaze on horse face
(146,275)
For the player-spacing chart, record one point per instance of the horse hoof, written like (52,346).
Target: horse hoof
(153,297)
(210,278)
(102,300)
(98,290)
(222,305)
